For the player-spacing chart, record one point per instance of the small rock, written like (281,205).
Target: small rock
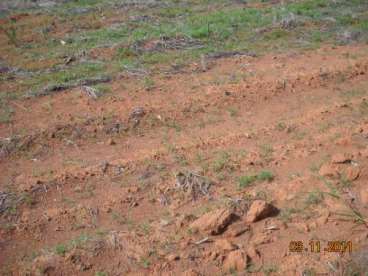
(236,260)
(329,170)
(323,219)
(134,189)
(111,142)
(225,245)
(340,158)
(51,213)
(213,255)
(312,225)
(25,183)
(344,141)
(303,227)
(253,254)
(261,238)
(352,173)
(238,229)
(191,272)
(214,222)
(46,264)
(184,220)
(164,222)
(259,209)
(364,153)
(78,189)
(26,216)
(172,257)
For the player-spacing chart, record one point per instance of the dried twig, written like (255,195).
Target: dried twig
(206,239)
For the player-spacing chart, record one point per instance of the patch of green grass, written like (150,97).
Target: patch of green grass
(247,180)
(6,113)
(325,126)
(148,83)
(363,108)
(28,199)
(118,217)
(276,34)
(287,213)
(7,227)
(265,176)
(314,198)
(315,167)
(11,34)
(269,269)
(281,126)
(216,26)
(80,241)
(61,249)
(145,228)
(233,111)
(145,262)
(173,124)
(266,151)
(344,182)
(102,89)
(309,272)
(101,273)
(73,75)
(352,93)
(221,162)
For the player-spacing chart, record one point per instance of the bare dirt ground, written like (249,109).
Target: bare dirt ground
(251,165)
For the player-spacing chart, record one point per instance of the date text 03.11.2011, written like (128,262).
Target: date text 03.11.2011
(315,246)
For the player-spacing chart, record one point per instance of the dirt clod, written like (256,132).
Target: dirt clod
(329,170)
(214,222)
(225,245)
(236,260)
(237,229)
(352,173)
(111,142)
(258,210)
(340,158)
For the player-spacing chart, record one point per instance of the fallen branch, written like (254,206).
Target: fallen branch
(61,87)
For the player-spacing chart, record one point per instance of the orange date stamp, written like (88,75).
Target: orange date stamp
(315,246)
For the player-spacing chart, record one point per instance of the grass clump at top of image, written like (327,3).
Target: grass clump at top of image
(247,180)
(215,26)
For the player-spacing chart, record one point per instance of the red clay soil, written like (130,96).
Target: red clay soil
(95,188)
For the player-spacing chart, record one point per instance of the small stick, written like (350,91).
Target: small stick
(206,239)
